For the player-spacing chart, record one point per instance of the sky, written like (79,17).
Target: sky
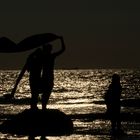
(97,34)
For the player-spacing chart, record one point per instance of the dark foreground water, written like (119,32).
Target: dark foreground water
(79,93)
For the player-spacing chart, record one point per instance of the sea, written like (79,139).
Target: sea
(78,93)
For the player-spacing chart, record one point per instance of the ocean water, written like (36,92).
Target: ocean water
(78,93)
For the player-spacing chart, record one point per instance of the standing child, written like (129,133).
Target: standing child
(112,100)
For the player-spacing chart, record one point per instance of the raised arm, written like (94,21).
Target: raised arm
(62,47)
(18,80)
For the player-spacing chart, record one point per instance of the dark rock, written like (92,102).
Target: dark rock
(49,122)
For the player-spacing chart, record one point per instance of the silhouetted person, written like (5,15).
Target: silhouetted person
(48,71)
(112,100)
(33,65)
(40,65)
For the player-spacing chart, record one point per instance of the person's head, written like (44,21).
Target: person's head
(115,78)
(47,48)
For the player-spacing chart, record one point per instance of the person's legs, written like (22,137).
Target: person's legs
(119,123)
(45,99)
(47,90)
(118,118)
(34,100)
(113,125)
(34,86)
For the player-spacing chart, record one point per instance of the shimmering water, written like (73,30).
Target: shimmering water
(78,93)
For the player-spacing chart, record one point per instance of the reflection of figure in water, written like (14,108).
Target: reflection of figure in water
(112,100)
(40,65)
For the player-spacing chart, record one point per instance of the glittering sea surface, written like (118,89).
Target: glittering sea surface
(78,93)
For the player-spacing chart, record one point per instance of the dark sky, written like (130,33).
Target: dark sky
(98,34)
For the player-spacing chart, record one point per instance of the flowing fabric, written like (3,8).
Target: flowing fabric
(31,42)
